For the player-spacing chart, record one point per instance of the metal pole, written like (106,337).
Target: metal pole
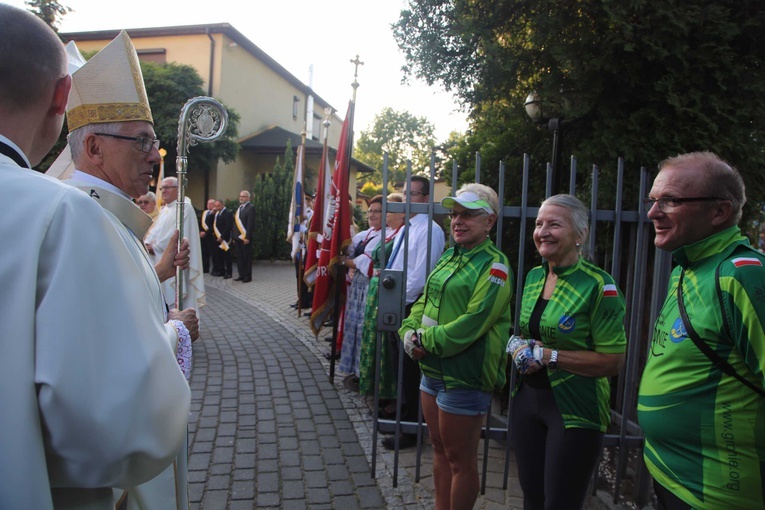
(555,126)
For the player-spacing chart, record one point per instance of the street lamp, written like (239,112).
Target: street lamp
(161,176)
(535,111)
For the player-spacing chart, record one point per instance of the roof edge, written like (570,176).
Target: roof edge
(213,28)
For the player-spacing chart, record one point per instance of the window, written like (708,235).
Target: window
(154,55)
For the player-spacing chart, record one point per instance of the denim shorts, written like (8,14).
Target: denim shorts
(457,400)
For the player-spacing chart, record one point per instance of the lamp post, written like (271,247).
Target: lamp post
(161,176)
(534,110)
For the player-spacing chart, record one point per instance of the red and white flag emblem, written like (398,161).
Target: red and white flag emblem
(746,261)
(609,290)
(498,271)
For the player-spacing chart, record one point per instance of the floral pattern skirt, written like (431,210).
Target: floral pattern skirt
(353,327)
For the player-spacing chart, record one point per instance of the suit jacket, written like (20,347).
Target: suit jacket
(247,217)
(224,221)
(207,220)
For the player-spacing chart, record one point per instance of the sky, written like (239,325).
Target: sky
(327,34)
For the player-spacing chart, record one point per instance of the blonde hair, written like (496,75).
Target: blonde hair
(484,193)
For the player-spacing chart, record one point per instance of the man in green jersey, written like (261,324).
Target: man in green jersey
(704,428)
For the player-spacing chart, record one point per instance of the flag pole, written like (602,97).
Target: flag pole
(301,234)
(341,270)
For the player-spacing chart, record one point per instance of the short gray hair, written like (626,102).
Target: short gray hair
(77,137)
(580,217)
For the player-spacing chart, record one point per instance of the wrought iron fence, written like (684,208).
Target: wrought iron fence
(625,249)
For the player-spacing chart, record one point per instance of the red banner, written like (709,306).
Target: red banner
(336,235)
(319,219)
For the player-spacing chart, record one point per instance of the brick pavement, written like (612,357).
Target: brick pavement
(268,429)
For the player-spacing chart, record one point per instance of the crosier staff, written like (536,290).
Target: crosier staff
(203,119)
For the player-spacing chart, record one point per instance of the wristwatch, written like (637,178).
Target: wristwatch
(553,363)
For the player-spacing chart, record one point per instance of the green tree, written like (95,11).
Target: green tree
(168,87)
(371,189)
(271,198)
(644,79)
(49,11)
(403,136)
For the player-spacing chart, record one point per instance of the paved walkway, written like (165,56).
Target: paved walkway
(269,430)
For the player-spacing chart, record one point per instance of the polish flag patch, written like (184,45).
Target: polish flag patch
(746,261)
(498,274)
(609,290)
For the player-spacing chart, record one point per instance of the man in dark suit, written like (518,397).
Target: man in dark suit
(222,223)
(244,230)
(209,243)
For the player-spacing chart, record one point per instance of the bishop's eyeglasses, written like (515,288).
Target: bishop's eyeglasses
(143,143)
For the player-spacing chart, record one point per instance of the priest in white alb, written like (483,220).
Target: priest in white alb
(159,238)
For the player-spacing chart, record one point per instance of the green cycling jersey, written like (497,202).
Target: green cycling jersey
(465,314)
(585,312)
(705,430)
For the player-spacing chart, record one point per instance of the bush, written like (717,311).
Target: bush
(271,198)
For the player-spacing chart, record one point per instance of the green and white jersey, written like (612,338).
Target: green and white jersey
(465,312)
(584,313)
(705,430)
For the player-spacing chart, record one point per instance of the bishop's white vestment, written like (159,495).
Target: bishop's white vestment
(131,223)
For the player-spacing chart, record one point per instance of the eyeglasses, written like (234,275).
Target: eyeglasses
(669,203)
(374,211)
(144,144)
(467,214)
(142,202)
(166,187)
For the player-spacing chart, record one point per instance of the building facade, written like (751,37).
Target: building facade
(273,104)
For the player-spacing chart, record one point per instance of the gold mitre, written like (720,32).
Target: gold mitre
(109,87)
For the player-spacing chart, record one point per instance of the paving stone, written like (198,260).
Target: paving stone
(243,490)
(217,483)
(293,490)
(268,482)
(268,500)
(220,469)
(269,430)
